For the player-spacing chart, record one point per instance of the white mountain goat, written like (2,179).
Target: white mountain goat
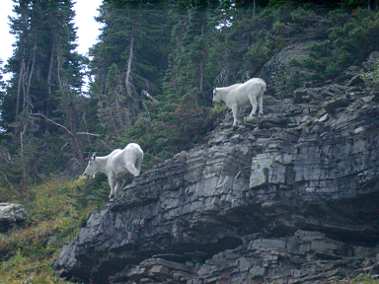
(116,165)
(237,95)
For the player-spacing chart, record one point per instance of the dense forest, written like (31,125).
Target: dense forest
(149,80)
(50,120)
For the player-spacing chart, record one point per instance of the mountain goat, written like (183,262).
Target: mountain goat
(237,95)
(116,165)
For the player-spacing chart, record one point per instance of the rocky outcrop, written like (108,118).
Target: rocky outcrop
(284,73)
(11,214)
(289,198)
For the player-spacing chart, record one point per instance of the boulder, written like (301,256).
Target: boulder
(11,214)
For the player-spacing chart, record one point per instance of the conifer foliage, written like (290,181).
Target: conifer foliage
(42,101)
(128,61)
(151,72)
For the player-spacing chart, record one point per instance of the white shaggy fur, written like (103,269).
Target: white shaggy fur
(116,165)
(237,95)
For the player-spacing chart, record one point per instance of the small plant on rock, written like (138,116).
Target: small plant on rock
(371,78)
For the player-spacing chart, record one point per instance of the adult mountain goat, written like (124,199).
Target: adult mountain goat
(116,165)
(237,95)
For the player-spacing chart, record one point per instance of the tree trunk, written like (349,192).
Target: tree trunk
(73,125)
(128,84)
(30,76)
(59,66)
(201,69)
(50,74)
(23,93)
(19,84)
(24,182)
(77,148)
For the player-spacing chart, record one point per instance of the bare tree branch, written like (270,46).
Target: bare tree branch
(53,122)
(30,76)
(88,133)
(129,66)
(51,65)
(64,127)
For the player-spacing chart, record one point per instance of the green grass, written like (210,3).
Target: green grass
(21,269)
(364,279)
(56,209)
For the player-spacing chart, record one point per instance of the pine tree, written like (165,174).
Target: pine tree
(129,59)
(41,97)
(187,59)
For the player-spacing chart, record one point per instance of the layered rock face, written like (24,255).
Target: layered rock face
(292,197)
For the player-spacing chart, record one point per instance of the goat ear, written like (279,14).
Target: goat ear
(93,157)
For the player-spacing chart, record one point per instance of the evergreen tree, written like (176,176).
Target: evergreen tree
(185,75)
(129,59)
(43,94)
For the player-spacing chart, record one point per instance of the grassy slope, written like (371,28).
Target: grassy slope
(56,210)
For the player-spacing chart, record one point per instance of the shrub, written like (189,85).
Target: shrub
(278,27)
(302,17)
(260,51)
(350,40)
(371,77)
(171,128)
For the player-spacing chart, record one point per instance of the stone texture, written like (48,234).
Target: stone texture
(11,214)
(268,202)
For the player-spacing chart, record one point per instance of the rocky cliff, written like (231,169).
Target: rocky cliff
(292,197)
